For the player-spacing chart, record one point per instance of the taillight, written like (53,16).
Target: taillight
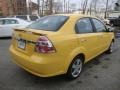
(44,45)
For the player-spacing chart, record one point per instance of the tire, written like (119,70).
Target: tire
(112,25)
(111,48)
(75,68)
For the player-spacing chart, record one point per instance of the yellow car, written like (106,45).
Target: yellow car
(60,44)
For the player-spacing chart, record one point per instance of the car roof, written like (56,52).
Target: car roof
(25,15)
(14,19)
(75,15)
(11,18)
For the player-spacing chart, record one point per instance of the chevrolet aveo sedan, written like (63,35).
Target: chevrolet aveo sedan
(60,44)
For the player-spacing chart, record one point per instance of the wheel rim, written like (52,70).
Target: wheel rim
(112,25)
(76,68)
(111,47)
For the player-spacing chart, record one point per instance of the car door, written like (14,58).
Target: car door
(103,36)
(4,28)
(1,27)
(87,37)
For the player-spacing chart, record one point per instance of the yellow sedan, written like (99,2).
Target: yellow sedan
(60,44)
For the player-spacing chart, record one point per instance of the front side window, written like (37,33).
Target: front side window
(49,23)
(10,21)
(100,27)
(84,26)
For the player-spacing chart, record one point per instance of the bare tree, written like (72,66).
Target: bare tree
(84,6)
(57,7)
(64,6)
(94,6)
(90,8)
(106,10)
(42,8)
(51,6)
(38,1)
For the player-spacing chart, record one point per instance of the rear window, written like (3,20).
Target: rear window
(49,23)
(22,17)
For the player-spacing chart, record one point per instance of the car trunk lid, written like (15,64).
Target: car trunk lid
(24,40)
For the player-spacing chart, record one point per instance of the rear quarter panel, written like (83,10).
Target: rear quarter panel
(66,49)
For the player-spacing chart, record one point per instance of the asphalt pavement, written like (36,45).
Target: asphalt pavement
(102,73)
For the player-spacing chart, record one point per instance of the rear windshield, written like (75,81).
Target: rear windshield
(49,23)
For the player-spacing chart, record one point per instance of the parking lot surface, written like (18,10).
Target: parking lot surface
(102,73)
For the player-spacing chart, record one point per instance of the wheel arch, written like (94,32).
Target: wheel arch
(80,55)
(113,40)
(77,55)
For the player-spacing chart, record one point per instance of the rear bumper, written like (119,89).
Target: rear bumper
(5,34)
(43,67)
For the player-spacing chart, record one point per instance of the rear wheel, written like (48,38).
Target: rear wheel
(75,68)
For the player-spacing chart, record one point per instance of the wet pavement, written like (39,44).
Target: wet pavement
(102,73)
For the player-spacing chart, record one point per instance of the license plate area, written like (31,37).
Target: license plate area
(22,44)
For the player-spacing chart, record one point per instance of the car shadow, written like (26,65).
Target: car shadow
(95,61)
(56,79)
(33,80)
(5,38)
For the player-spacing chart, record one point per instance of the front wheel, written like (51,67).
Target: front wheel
(111,48)
(75,68)
(112,25)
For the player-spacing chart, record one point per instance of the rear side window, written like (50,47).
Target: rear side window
(22,17)
(49,23)
(84,26)
(100,27)
(33,18)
